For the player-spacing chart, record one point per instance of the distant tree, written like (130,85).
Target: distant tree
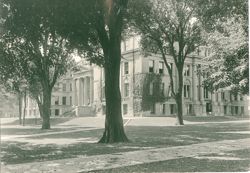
(94,27)
(169,28)
(29,33)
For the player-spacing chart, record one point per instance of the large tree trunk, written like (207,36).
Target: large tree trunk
(178,97)
(20,107)
(46,108)
(114,130)
(178,101)
(24,108)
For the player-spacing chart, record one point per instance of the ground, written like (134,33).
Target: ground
(204,144)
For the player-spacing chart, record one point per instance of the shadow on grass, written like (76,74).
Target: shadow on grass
(189,164)
(142,137)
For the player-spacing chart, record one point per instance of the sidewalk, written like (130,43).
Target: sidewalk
(108,161)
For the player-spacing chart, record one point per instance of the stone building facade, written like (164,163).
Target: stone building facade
(82,93)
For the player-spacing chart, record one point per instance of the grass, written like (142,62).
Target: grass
(186,165)
(142,137)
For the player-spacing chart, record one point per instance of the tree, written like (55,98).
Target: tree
(226,23)
(227,66)
(168,28)
(12,71)
(29,33)
(94,27)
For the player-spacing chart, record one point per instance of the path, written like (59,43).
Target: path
(108,161)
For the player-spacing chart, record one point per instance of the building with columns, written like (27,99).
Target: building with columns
(145,89)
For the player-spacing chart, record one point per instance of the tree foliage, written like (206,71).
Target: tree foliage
(228,66)
(31,40)
(168,28)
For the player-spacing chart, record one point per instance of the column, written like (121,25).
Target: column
(79,92)
(83,89)
(86,91)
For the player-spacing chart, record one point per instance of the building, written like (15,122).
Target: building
(145,89)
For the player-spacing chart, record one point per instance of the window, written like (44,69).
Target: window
(126,89)
(64,87)
(70,100)
(208,107)
(163,108)
(152,109)
(235,96)
(225,110)
(103,93)
(187,70)
(56,100)
(64,100)
(171,67)
(162,89)
(151,66)
(172,109)
(125,109)
(236,110)
(56,112)
(199,92)
(151,89)
(70,86)
(187,91)
(242,110)
(222,96)
(161,67)
(205,93)
(241,97)
(126,68)
(216,96)
(189,109)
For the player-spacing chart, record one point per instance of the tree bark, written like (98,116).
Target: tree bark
(114,130)
(45,114)
(111,43)
(178,97)
(20,107)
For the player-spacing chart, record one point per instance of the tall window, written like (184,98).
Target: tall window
(171,67)
(70,100)
(126,89)
(125,109)
(187,91)
(126,68)
(151,89)
(161,67)
(205,94)
(222,96)
(208,107)
(242,110)
(172,109)
(236,110)
(225,110)
(64,87)
(56,112)
(187,70)
(162,88)
(163,108)
(64,100)
(151,66)
(235,96)
(70,87)
(103,93)
(57,100)
(152,111)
